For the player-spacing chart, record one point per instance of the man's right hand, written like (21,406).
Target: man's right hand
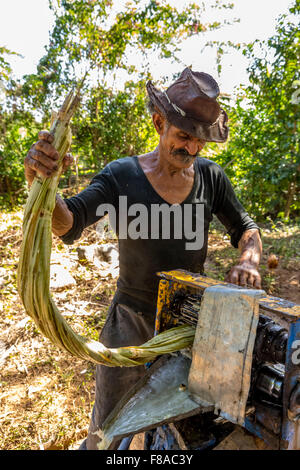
(43,157)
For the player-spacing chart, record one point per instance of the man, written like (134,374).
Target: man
(185,116)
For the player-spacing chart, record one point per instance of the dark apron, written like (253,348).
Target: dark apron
(123,327)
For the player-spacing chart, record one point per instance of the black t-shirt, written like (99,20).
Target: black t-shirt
(141,258)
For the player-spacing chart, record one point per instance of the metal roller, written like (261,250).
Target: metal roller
(271,338)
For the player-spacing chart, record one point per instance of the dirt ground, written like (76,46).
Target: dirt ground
(46,396)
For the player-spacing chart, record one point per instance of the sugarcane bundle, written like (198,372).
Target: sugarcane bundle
(33,274)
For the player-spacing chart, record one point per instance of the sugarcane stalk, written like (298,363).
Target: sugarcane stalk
(33,275)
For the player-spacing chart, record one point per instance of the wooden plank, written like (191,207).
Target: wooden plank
(222,350)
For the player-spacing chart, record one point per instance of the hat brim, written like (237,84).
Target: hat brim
(215,132)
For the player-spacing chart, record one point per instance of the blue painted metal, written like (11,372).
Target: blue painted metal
(257,430)
(290,428)
(125,443)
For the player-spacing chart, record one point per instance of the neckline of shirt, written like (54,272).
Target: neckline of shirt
(189,196)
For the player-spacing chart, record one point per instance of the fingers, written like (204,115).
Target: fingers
(67,161)
(42,157)
(233,276)
(244,277)
(37,161)
(251,280)
(257,282)
(47,149)
(45,135)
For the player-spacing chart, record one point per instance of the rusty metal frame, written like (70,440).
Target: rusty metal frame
(283,308)
(178,280)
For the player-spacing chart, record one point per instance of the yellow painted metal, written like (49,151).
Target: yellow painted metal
(166,292)
(196,282)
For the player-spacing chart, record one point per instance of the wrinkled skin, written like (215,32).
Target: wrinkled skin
(42,157)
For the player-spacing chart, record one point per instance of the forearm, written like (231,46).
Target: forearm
(250,247)
(62,218)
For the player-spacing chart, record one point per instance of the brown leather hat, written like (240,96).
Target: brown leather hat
(190,104)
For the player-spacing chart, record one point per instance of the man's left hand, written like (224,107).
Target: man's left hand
(244,274)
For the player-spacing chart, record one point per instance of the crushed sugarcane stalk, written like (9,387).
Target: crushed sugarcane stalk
(33,275)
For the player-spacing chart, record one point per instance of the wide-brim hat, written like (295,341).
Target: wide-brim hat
(190,104)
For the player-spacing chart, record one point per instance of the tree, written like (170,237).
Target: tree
(17,133)
(263,151)
(113,124)
(93,37)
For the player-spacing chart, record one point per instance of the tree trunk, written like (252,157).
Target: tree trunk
(10,194)
(293,183)
(290,196)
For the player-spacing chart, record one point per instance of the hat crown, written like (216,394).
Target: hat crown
(190,104)
(195,93)
(199,82)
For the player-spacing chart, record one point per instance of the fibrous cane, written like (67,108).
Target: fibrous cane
(33,276)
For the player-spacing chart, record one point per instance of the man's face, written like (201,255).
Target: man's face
(179,147)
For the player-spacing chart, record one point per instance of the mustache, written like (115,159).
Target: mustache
(183,153)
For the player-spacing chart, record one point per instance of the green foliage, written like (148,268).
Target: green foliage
(91,38)
(113,125)
(262,157)
(5,68)
(18,131)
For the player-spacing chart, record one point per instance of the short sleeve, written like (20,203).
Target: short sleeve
(85,204)
(229,210)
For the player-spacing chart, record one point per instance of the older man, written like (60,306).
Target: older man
(186,116)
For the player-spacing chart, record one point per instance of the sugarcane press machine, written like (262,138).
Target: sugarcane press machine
(243,369)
